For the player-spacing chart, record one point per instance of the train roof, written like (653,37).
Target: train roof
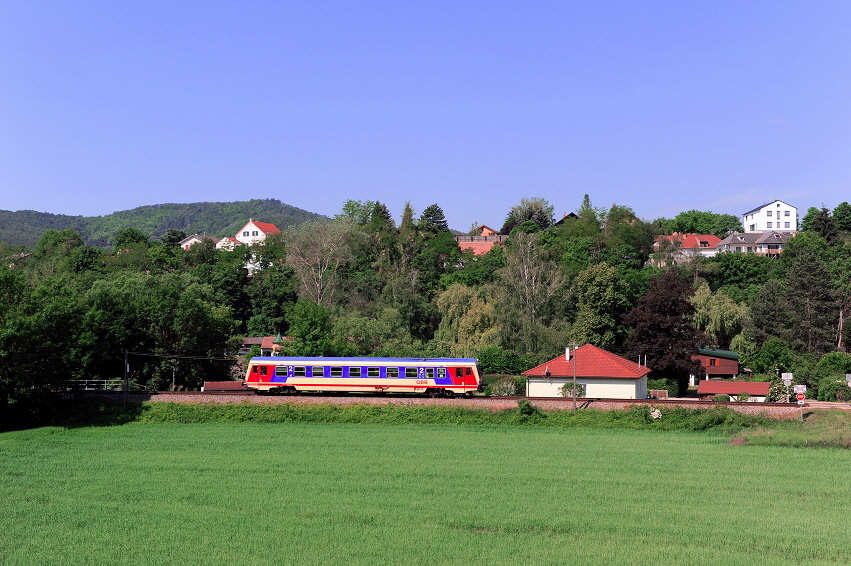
(365,361)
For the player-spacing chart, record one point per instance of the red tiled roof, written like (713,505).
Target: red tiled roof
(689,241)
(266,227)
(758,388)
(591,361)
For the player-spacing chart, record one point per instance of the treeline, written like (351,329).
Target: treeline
(360,284)
(25,227)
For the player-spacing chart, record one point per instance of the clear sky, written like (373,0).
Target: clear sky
(660,106)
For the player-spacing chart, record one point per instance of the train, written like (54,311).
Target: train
(436,377)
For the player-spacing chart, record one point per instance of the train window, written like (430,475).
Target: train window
(299,371)
(281,371)
(354,372)
(392,372)
(318,371)
(336,371)
(459,372)
(430,373)
(441,372)
(373,372)
(469,371)
(262,370)
(410,372)
(254,369)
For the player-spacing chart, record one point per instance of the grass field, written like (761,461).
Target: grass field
(299,493)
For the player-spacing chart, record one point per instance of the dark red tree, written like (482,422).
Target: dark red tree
(662,330)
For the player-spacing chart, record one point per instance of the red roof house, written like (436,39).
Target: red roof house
(688,245)
(603,374)
(481,243)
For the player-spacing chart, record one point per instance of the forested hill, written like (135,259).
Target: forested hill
(218,219)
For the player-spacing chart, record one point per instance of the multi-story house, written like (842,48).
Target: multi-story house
(775,215)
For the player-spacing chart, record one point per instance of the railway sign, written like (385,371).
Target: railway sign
(800,389)
(787,379)
(800,396)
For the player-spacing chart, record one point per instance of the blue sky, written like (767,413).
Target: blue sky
(660,106)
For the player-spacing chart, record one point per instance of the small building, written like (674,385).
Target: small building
(603,375)
(481,242)
(718,364)
(188,241)
(757,391)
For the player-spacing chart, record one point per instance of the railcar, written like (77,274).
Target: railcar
(438,377)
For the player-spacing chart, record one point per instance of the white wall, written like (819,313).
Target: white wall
(599,388)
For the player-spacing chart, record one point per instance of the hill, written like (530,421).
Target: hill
(218,219)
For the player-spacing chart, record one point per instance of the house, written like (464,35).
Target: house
(765,243)
(188,241)
(757,391)
(481,242)
(603,374)
(684,247)
(254,232)
(269,345)
(719,364)
(775,215)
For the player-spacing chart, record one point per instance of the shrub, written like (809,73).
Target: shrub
(721,397)
(743,397)
(833,388)
(504,385)
(566,390)
(669,385)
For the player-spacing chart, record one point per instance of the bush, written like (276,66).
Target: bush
(833,388)
(566,390)
(742,397)
(721,397)
(504,385)
(669,385)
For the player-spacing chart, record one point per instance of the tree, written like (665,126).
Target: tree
(130,238)
(824,225)
(718,316)
(812,322)
(467,321)
(433,220)
(311,329)
(842,216)
(317,251)
(535,209)
(662,329)
(809,218)
(173,237)
(59,243)
(700,222)
(601,296)
(530,284)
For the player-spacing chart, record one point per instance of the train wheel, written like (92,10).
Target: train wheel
(435,392)
(449,394)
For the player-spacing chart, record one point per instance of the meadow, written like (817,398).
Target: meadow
(340,493)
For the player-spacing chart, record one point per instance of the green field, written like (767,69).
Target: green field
(308,493)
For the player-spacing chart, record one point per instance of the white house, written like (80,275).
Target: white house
(255,232)
(775,215)
(604,375)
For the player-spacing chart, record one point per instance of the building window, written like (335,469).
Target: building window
(245,233)
(318,371)
(768,224)
(704,244)
(713,362)
(768,213)
(786,224)
(752,228)
(786,213)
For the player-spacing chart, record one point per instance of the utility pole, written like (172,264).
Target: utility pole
(574,379)
(126,379)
